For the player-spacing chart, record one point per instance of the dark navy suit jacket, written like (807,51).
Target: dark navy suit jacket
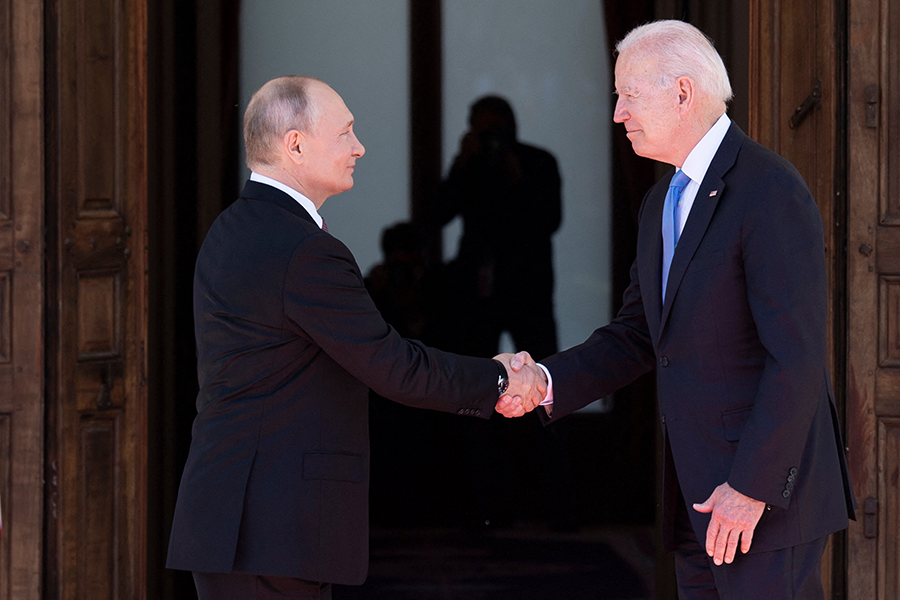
(739,346)
(288,343)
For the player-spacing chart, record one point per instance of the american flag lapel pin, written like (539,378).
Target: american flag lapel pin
(713,193)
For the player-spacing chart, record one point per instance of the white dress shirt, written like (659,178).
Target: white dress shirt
(697,164)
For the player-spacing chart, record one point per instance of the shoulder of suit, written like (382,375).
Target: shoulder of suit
(763,158)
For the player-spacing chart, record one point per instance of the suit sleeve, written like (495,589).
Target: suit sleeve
(325,299)
(784,265)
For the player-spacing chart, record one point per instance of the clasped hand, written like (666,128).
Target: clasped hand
(527,385)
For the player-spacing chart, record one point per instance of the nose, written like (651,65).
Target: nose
(620,114)
(358,148)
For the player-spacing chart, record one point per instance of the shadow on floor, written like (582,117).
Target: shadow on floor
(508,565)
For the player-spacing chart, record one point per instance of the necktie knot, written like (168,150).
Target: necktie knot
(679,180)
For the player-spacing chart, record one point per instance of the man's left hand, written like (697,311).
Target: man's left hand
(734,516)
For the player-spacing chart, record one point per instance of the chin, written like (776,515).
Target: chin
(641,151)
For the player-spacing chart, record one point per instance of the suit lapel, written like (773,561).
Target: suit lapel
(711,191)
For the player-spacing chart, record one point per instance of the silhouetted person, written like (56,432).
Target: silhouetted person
(507,193)
(509,197)
(405,288)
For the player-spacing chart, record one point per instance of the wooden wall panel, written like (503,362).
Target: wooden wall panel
(5,91)
(97,209)
(98,312)
(5,487)
(890,142)
(889,508)
(873,259)
(21,297)
(889,328)
(97,104)
(5,317)
(98,534)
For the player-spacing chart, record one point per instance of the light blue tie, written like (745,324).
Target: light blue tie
(670,233)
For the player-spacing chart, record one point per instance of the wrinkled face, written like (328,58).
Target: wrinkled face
(650,114)
(330,150)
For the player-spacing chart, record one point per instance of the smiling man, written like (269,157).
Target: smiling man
(273,501)
(727,301)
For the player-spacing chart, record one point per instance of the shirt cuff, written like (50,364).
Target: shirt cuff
(548,397)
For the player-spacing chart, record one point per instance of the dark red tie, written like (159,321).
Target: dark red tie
(324,226)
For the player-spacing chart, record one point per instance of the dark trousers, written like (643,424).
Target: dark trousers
(789,574)
(246,586)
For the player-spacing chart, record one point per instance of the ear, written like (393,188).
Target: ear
(685,89)
(293,145)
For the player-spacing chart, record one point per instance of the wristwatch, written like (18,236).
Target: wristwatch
(503,379)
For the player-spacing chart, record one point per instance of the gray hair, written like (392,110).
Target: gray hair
(279,106)
(682,50)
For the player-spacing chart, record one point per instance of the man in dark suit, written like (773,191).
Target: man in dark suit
(727,301)
(273,499)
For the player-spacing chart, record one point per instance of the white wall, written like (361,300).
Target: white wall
(547,59)
(361,49)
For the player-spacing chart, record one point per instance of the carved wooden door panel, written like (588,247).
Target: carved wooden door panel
(794,50)
(873,262)
(21,298)
(97,300)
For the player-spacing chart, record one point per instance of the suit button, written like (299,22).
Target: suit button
(789,486)
(786,493)
(794,471)
(791,478)
(664,361)
(461,411)
(664,419)
(477,412)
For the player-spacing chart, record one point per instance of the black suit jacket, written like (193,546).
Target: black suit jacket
(739,347)
(288,344)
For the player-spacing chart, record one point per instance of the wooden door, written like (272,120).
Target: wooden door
(96,317)
(873,264)
(21,298)
(795,50)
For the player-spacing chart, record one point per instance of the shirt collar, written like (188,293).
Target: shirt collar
(300,198)
(697,162)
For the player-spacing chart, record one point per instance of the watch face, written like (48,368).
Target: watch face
(502,385)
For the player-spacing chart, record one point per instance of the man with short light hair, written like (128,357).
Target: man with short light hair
(727,301)
(273,501)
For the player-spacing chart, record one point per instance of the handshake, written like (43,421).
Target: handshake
(527,385)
